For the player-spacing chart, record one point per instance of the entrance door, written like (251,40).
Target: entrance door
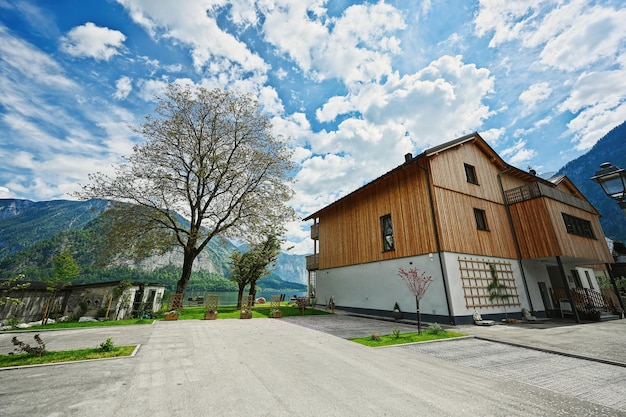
(577,281)
(545,298)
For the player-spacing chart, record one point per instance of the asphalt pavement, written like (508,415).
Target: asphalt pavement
(304,366)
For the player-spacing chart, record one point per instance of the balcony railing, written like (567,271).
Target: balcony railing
(585,299)
(536,190)
(313,262)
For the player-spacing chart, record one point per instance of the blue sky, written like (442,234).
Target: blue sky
(356,85)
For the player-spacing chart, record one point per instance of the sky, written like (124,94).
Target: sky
(354,85)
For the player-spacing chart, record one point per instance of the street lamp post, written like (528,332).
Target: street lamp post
(612,179)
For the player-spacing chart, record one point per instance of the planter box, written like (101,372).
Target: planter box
(170,316)
(210,316)
(276,315)
(243,315)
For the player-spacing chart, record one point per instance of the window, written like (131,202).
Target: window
(385,223)
(578,226)
(470,174)
(589,279)
(481,219)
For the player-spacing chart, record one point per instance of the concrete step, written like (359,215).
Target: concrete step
(605,316)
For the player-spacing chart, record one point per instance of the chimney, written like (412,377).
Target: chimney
(408,157)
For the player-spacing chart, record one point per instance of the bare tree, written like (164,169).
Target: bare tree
(209,157)
(418,284)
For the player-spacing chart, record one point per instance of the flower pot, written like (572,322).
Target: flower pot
(276,314)
(210,316)
(171,316)
(245,315)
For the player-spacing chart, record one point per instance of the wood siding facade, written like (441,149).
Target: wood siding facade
(348,232)
(542,233)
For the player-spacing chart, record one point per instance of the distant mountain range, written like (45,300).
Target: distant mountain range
(32,233)
(611,148)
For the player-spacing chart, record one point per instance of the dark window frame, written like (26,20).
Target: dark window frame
(470,174)
(577,226)
(481,219)
(386,227)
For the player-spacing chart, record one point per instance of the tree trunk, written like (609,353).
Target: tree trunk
(419,318)
(185,276)
(252,291)
(239,295)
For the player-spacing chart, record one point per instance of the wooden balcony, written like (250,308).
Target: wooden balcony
(315,231)
(536,189)
(313,262)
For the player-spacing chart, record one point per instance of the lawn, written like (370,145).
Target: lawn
(23,359)
(188,313)
(402,338)
(75,324)
(259,311)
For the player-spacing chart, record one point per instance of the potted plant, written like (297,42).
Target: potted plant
(171,315)
(211,314)
(396,313)
(276,314)
(245,314)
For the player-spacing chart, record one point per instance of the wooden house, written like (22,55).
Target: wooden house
(459,213)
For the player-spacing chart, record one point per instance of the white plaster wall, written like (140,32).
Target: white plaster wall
(457,294)
(583,278)
(535,273)
(377,286)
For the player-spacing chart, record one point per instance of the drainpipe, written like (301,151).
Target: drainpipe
(438,243)
(568,291)
(515,240)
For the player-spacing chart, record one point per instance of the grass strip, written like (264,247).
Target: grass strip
(403,338)
(258,311)
(23,359)
(75,324)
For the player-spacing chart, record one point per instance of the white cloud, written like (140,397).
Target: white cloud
(438,103)
(92,41)
(355,47)
(193,23)
(599,104)
(31,63)
(5,193)
(518,154)
(571,35)
(123,87)
(597,34)
(536,93)
(492,136)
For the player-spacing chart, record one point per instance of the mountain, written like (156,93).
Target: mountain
(32,233)
(24,223)
(611,148)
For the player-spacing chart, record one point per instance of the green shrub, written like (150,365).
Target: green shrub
(396,331)
(106,346)
(13,321)
(435,328)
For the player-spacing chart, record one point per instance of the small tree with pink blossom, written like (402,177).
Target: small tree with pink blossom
(418,284)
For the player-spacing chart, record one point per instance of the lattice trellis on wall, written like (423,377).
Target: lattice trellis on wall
(477,274)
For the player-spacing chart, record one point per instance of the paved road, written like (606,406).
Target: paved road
(599,383)
(266,367)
